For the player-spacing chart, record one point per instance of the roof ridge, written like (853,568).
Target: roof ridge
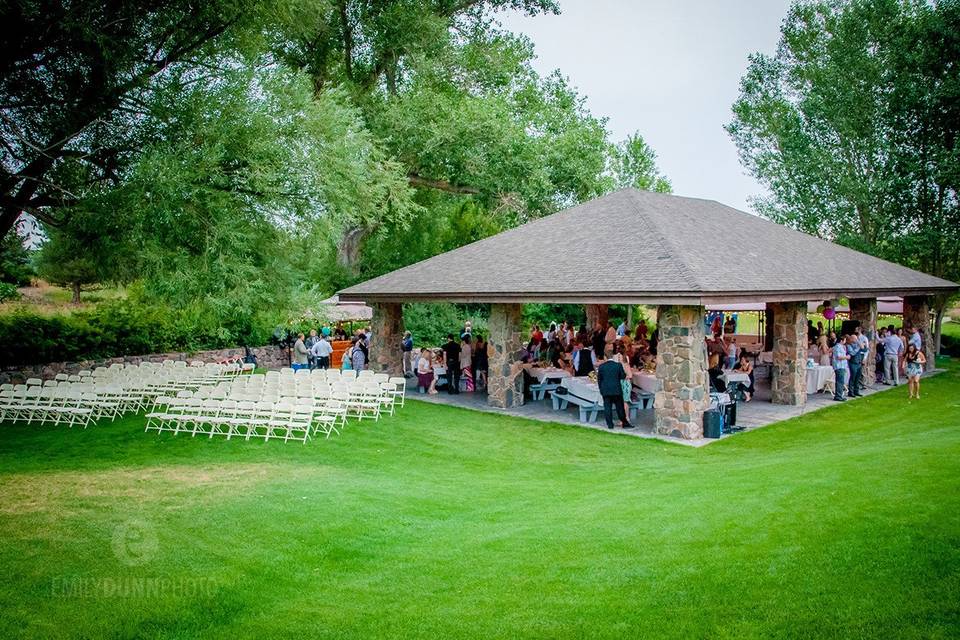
(686,272)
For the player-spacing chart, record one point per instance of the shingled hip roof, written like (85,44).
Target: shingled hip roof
(640,247)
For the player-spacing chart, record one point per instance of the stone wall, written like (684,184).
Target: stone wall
(683,391)
(864,310)
(267,357)
(916,313)
(597,313)
(387,333)
(788,375)
(505,377)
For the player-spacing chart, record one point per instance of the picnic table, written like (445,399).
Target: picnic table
(645,381)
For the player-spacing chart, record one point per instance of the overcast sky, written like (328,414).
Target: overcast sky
(670,70)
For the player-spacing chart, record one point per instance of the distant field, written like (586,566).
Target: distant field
(47,299)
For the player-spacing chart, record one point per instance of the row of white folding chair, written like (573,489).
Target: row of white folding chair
(287,419)
(55,405)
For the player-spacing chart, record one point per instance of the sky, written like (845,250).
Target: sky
(669,70)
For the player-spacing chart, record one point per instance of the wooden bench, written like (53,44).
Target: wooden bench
(588,409)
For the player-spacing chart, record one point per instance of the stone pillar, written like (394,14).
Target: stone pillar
(864,310)
(597,313)
(387,328)
(788,376)
(916,313)
(505,376)
(683,387)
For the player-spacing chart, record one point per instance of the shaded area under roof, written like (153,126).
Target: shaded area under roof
(640,247)
(885,306)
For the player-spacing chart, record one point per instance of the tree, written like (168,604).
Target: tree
(71,77)
(634,164)
(80,254)
(15,267)
(852,126)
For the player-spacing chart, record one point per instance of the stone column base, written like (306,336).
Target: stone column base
(505,377)
(683,390)
(864,310)
(788,377)
(387,333)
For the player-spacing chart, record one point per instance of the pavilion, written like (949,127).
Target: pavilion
(635,247)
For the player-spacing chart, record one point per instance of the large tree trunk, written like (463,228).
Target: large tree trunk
(348,251)
(939,308)
(76,292)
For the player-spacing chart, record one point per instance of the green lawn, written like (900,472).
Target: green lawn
(443,523)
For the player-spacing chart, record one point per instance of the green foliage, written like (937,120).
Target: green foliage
(8,292)
(131,326)
(15,267)
(634,164)
(430,323)
(853,128)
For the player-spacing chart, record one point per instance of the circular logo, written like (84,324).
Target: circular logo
(135,542)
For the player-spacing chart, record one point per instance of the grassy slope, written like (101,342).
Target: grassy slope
(446,523)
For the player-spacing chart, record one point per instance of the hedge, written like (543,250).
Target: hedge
(117,329)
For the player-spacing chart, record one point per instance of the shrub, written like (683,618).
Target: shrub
(8,291)
(115,328)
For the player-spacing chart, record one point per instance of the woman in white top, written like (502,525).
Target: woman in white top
(425,378)
(824,348)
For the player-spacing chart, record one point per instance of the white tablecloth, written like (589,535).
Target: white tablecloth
(439,371)
(547,373)
(735,376)
(646,381)
(583,387)
(817,378)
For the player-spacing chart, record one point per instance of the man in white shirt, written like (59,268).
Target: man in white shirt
(321,351)
(892,348)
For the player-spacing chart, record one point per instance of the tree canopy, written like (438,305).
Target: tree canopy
(243,155)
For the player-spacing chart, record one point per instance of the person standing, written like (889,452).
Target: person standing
(359,356)
(321,353)
(451,352)
(301,357)
(620,357)
(584,360)
(731,351)
(915,339)
(608,339)
(480,363)
(610,375)
(406,348)
(864,343)
(855,364)
(425,372)
(840,368)
(466,362)
(892,348)
(308,343)
(914,360)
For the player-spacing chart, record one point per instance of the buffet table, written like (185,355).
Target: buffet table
(818,377)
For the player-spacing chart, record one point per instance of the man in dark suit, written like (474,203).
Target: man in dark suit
(451,352)
(610,373)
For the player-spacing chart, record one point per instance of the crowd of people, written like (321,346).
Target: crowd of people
(315,351)
(899,352)
(458,363)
